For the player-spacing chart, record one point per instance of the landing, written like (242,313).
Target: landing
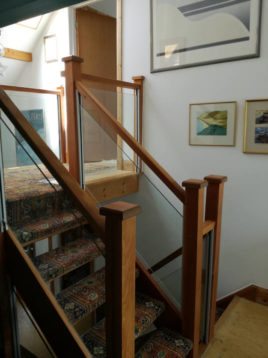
(241,332)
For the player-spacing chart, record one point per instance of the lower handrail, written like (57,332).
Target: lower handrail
(50,317)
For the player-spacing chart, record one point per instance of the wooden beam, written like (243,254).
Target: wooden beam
(18,55)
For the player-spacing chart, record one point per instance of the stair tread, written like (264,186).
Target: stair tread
(147,311)
(165,343)
(49,226)
(66,258)
(83,297)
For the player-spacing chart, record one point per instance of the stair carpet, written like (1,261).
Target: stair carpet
(37,211)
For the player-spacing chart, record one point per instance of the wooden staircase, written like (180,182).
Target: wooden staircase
(61,287)
(41,213)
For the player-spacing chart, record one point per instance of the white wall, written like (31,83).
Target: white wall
(244,249)
(39,73)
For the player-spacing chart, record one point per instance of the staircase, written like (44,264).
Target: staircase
(57,241)
(36,211)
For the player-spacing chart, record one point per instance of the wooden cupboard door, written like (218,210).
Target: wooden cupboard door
(96,44)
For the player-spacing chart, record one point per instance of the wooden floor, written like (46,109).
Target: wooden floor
(241,332)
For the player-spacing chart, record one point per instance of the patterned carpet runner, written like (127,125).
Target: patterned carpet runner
(68,257)
(38,208)
(165,344)
(49,226)
(147,311)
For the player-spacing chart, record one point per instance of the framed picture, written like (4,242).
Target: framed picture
(212,124)
(193,33)
(256,127)
(51,50)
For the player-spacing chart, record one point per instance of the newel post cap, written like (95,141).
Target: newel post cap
(120,209)
(194,184)
(72,59)
(216,179)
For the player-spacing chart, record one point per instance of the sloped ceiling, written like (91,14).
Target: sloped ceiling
(21,38)
(13,11)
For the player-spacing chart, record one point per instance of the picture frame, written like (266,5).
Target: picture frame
(181,34)
(256,126)
(51,48)
(212,124)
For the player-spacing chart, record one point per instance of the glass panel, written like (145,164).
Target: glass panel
(52,230)
(120,102)
(32,342)
(42,112)
(159,226)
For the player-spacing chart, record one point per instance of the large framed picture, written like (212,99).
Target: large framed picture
(256,127)
(212,124)
(186,33)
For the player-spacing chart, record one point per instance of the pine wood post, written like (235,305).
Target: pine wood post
(139,81)
(120,233)
(192,261)
(214,202)
(72,74)
(62,124)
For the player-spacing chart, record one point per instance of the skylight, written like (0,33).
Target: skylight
(32,23)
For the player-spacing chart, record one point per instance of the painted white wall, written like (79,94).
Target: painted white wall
(167,96)
(39,73)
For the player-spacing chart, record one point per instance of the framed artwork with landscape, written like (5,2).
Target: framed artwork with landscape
(186,33)
(212,124)
(256,126)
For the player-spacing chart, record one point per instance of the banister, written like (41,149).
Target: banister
(111,125)
(43,305)
(84,201)
(29,90)
(111,82)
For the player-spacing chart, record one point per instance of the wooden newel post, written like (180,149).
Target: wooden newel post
(72,74)
(214,202)
(139,81)
(192,261)
(120,234)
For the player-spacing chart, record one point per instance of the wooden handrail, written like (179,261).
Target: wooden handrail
(28,90)
(84,201)
(107,81)
(165,260)
(109,123)
(42,304)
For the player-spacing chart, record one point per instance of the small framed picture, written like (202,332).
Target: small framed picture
(51,50)
(256,127)
(212,124)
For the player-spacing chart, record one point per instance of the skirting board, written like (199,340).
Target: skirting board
(253,293)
